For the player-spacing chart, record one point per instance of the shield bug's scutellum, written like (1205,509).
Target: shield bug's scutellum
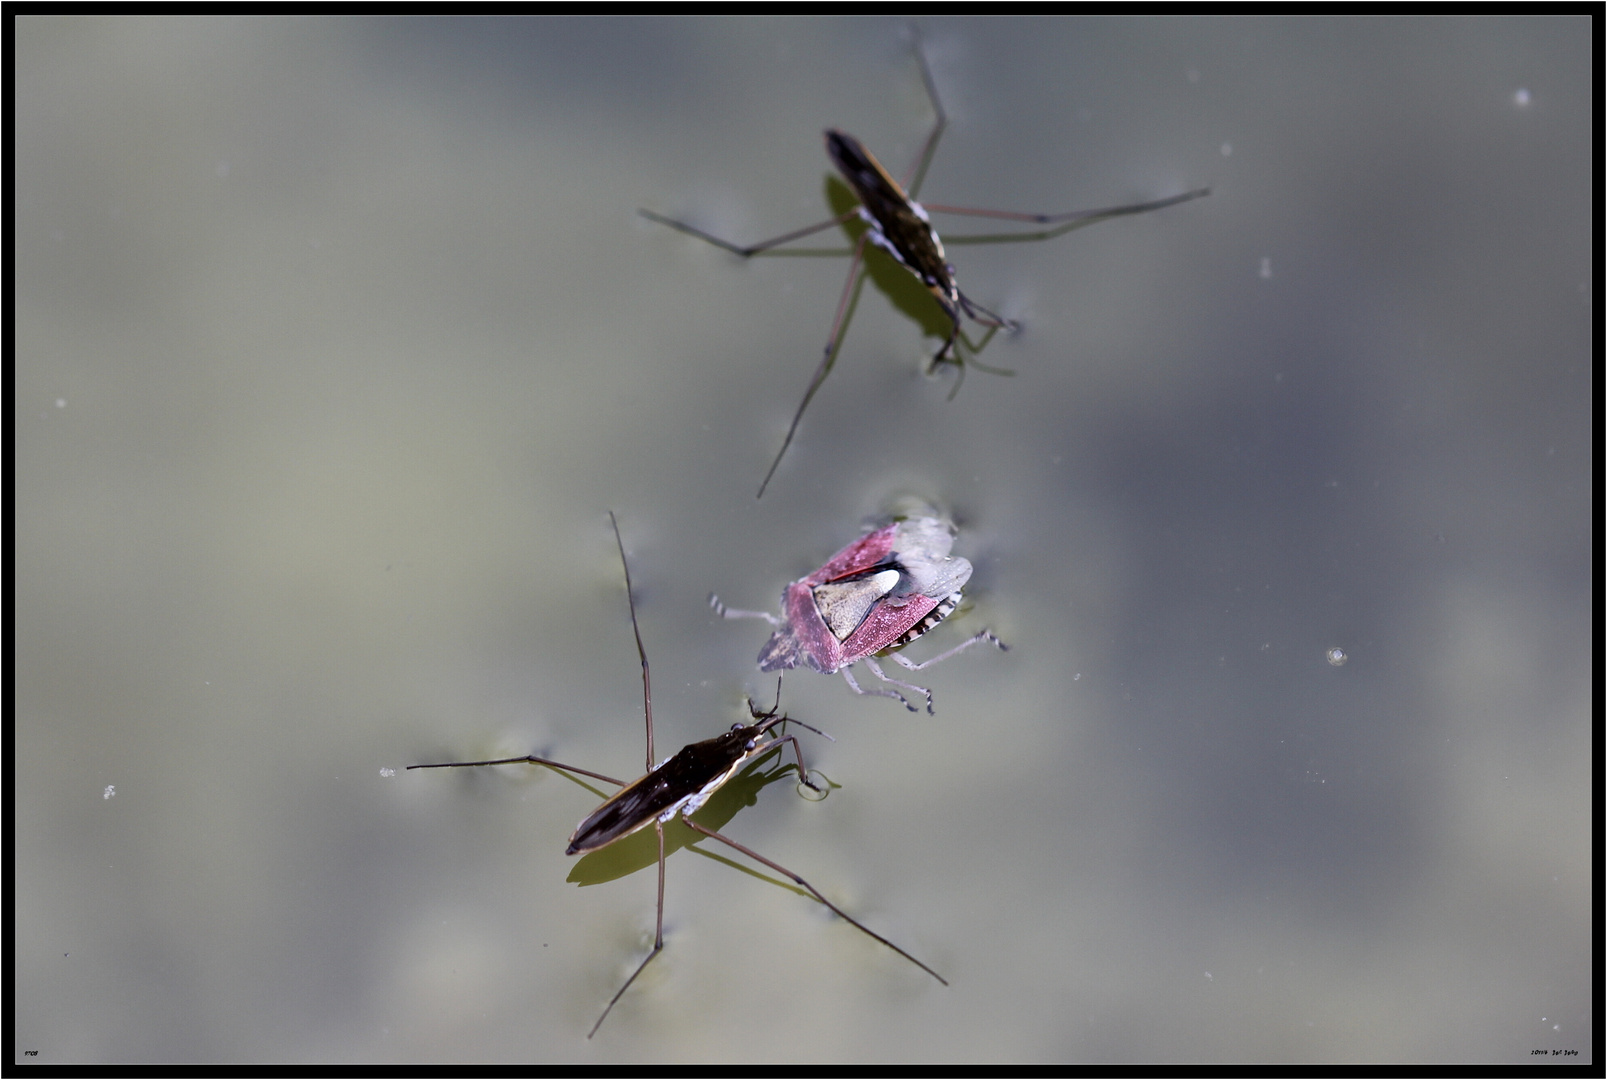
(876,595)
(902,227)
(678,787)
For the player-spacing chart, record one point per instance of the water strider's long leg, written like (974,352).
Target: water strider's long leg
(778,868)
(752,249)
(658,940)
(917,174)
(1066,220)
(527,759)
(833,343)
(647,682)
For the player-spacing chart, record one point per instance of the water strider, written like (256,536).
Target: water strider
(678,787)
(902,227)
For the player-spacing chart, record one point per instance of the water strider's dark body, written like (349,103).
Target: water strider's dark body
(898,223)
(680,785)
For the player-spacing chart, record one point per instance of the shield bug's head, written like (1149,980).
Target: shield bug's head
(782,651)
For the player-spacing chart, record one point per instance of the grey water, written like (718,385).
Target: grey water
(336,339)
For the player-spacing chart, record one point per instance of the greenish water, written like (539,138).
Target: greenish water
(337,339)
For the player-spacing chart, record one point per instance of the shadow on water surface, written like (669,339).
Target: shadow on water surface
(640,850)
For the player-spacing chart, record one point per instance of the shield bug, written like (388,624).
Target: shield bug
(899,225)
(677,788)
(874,596)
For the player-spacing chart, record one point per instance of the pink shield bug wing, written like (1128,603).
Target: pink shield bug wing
(877,594)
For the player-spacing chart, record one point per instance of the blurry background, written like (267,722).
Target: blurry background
(336,340)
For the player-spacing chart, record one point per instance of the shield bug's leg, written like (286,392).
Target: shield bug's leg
(778,868)
(658,940)
(833,343)
(738,613)
(982,635)
(876,669)
(647,682)
(894,694)
(752,249)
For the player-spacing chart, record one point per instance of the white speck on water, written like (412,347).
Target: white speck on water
(387,772)
(1336,656)
(1227,149)
(61,403)
(1520,97)
(111,789)
(1266,267)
